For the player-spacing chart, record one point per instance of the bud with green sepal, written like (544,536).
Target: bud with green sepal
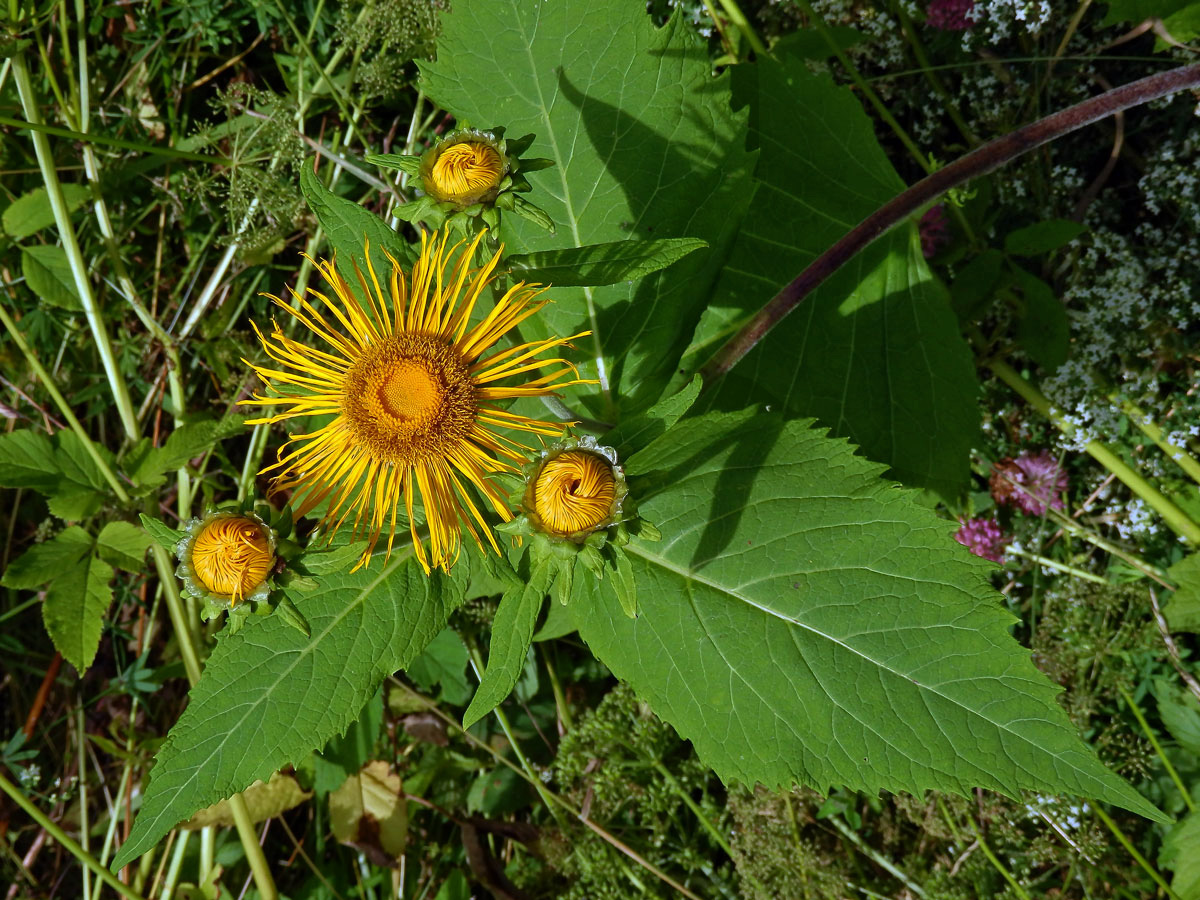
(232,560)
(469,177)
(576,509)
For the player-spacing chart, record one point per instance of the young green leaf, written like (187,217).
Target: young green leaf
(123,545)
(646,147)
(81,488)
(270,695)
(31,212)
(48,274)
(804,620)
(637,432)
(184,444)
(74,609)
(27,460)
(1042,237)
(46,561)
(408,163)
(1043,331)
(444,663)
(598,264)
(512,633)
(163,534)
(1183,610)
(1179,854)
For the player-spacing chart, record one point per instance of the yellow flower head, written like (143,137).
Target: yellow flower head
(227,556)
(412,386)
(465,173)
(574,492)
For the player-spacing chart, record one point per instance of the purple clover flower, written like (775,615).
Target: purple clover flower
(1031,482)
(950,15)
(983,537)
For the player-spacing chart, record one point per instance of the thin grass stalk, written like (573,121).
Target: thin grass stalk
(995,861)
(878,858)
(1132,851)
(536,783)
(1178,455)
(1054,564)
(62,217)
(84,827)
(70,845)
(1146,730)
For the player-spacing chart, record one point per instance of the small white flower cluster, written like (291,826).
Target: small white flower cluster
(1001,20)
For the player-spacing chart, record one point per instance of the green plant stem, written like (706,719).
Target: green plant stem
(878,858)
(249,838)
(168,885)
(62,217)
(978,162)
(739,20)
(995,861)
(183,632)
(63,407)
(1175,517)
(1137,713)
(1054,564)
(1132,851)
(1175,453)
(560,699)
(65,840)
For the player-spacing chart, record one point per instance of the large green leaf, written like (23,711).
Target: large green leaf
(27,460)
(804,620)
(270,695)
(646,146)
(875,353)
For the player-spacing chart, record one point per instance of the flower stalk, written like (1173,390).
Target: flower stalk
(978,162)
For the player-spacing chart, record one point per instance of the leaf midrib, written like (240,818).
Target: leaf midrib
(691,576)
(402,557)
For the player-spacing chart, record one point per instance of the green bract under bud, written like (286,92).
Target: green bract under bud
(469,176)
(576,507)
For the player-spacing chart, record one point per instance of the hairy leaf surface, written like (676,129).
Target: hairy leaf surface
(646,147)
(804,620)
(269,694)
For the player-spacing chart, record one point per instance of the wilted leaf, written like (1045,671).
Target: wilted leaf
(369,810)
(264,801)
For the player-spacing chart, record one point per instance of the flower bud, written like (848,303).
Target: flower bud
(464,169)
(227,557)
(574,490)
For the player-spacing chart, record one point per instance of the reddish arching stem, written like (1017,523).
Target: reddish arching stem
(978,162)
